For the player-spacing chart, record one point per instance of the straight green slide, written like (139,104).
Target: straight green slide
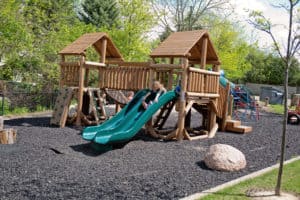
(127,124)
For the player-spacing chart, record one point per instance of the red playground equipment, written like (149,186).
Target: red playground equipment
(294,115)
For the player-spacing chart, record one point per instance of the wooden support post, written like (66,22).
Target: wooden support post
(103,50)
(170,75)
(80,90)
(61,80)
(102,58)
(227,107)
(151,75)
(182,100)
(203,53)
(216,68)
(213,131)
(187,122)
(212,117)
(118,108)
(86,78)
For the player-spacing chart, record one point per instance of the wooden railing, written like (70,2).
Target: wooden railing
(202,81)
(136,76)
(69,75)
(124,78)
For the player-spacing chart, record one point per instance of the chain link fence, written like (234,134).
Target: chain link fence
(16,99)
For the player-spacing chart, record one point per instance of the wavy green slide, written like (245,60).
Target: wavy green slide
(127,122)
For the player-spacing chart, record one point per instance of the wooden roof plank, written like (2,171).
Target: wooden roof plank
(79,46)
(182,44)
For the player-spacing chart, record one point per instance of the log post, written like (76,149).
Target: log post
(80,90)
(62,77)
(182,99)
(170,75)
(86,78)
(227,107)
(203,53)
(103,50)
(102,58)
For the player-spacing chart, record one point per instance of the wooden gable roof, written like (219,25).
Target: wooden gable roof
(186,44)
(79,46)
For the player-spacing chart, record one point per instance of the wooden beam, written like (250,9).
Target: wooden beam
(86,78)
(167,66)
(103,50)
(213,131)
(216,68)
(204,53)
(203,71)
(182,99)
(213,105)
(129,64)
(62,81)
(189,106)
(227,107)
(199,137)
(195,94)
(80,91)
(212,118)
(69,64)
(90,64)
(210,62)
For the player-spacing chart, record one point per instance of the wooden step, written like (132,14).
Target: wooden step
(239,129)
(233,123)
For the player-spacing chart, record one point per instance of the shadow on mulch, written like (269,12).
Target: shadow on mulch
(93,150)
(202,165)
(29,122)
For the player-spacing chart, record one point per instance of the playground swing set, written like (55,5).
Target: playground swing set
(186,56)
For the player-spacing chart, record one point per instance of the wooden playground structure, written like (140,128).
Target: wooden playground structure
(188,58)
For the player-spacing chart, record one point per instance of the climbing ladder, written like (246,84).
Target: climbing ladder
(61,107)
(93,111)
(163,115)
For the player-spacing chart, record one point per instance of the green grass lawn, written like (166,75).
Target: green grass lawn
(290,183)
(279,109)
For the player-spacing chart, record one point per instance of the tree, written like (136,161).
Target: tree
(231,46)
(31,34)
(268,68)
(100,13)
(260,22)
(136,22)
(13,35)
(181,15)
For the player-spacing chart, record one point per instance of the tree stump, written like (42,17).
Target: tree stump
(8,136)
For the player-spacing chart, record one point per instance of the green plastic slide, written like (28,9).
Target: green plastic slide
(111,125)
(128,122)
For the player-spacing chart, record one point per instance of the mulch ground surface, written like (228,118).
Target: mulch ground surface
(53,163)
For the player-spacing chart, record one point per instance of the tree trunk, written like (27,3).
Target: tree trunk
(284,126)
